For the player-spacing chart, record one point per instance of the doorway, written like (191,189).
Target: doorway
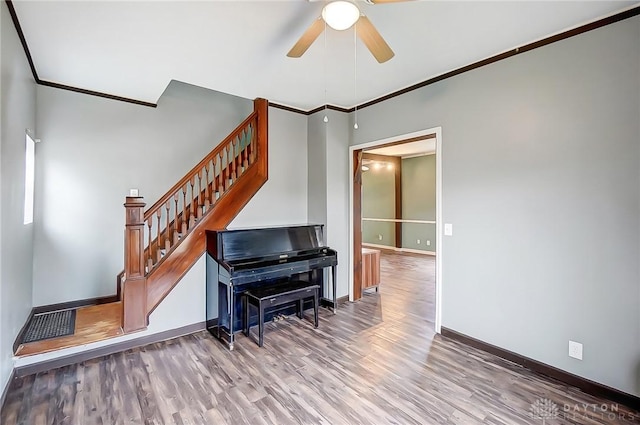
(356,163)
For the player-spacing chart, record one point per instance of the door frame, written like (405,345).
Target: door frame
(434,132)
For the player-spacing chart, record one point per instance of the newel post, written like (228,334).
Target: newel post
(261,106)
(134,291)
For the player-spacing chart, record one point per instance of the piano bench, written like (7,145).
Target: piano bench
(269,297)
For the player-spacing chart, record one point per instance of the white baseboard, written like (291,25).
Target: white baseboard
(393,248)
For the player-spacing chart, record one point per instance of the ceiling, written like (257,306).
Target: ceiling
(134,48)
(420,147)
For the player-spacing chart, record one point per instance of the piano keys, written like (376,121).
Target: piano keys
(249,258)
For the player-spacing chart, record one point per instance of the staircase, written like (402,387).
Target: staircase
(163,242)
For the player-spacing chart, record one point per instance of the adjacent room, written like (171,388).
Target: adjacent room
(320,212)
(397,217)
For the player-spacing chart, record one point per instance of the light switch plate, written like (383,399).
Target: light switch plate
(133,192)
(448,229)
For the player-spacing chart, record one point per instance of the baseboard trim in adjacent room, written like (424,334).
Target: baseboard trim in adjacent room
(393,248)
(586,385)
(417,251)
(107,350)
(6,389)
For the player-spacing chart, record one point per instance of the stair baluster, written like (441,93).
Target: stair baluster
(177,219)
(234,148)
(149,255)
(158,237)
(224,163)
(206,188)
(167,228)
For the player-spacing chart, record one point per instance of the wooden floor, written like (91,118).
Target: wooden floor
(93,323)
(375,362)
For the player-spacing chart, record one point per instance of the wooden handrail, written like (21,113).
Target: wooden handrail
(195,170)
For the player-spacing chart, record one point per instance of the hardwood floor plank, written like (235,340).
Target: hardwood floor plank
(377,361)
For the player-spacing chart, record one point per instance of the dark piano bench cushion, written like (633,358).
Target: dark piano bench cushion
(269,297)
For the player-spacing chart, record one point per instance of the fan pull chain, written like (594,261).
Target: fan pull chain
(326,117)
(355,75)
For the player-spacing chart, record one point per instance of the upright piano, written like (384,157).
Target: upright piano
(249,258)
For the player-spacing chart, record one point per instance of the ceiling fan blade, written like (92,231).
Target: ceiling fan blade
(307,38)
(373,40)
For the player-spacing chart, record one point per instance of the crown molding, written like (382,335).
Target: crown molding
(34,72)
(620,16)
(96,93)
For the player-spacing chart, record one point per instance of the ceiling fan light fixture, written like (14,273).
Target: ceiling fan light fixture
(340,15)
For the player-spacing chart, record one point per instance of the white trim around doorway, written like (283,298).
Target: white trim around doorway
(437,131)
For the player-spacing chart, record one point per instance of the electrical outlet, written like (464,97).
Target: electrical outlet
(418,241)
(448,229)
(379,237)
(428,242)
(575,350)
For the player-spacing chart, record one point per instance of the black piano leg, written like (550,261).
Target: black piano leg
(247,316)
(261,326)
(334,278)
(315,308)
(300,308)
(232,303)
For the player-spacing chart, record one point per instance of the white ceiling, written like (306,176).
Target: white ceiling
(419,147)
(134,48)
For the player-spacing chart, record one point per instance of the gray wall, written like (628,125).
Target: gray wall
(317,170)
(89,159)
(379,201)
(329,185)
(17,113)
(541,181)
(283,198)
(419,202)
(338,194)
(93,150)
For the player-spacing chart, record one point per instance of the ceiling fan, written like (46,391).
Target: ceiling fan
(341,15)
